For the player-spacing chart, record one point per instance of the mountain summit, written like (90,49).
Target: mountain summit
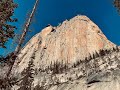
(72,40)
(74,52)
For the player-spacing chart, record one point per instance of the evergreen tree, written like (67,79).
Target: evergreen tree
(117,48)
(93,56)
(26,82)
(117,4)
(22,38)
(74,65)
(96,54)
(90,57)
(7,83)
(114,49)
(56,68)
(6,12)
(102,53)
(107,51)
(96,66)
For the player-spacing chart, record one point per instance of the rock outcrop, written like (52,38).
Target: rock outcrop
(99,73)
(72,40)
(57,57)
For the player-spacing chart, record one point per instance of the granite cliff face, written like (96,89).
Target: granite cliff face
(72,40)
(58,57)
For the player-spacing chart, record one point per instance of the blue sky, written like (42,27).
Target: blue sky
(54,12)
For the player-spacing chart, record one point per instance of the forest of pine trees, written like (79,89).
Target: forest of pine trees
(58,67)
(7,31)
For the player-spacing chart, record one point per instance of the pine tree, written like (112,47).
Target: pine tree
(27,74)
(117,48)
(90,57)
(96,66)
(6,84)
(102,53)
(74,65)
(114,49)
(93,56)
(107,51)
(96,54)
(6,12)
(18,48)
(77,63)
(117,4)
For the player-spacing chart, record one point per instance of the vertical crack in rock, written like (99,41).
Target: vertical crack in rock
(73,40)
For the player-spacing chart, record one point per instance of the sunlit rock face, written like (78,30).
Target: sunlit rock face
(71,41)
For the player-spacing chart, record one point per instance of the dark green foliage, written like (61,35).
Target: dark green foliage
(74,65)
(6,59)
(107,51)
(26,82)
(2,59)
(117,4)
(37,87)
(57,67)
(4,84)
(96,54)
(6,12)
(118,66)
(93,56)
(102,53)
(7,83)
(90,57)
(114,49)
(96,66)
(117,49)
(93,81)
(77,63)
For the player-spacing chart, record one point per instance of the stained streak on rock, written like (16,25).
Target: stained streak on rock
(72,40)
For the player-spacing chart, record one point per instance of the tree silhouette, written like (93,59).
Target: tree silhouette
(6,12)
(90,57)
(74,65)
(117,4)
(117,49)
(107,51)
(93,56)
(26,82)
(37,87)
(102,52)
(57,67)
(96,54)
(7,83)
(26,29)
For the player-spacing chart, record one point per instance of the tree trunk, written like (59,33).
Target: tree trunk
(26,28)
(18,48)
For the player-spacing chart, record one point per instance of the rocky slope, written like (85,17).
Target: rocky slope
(72,40)
(101,72)
(75,55)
